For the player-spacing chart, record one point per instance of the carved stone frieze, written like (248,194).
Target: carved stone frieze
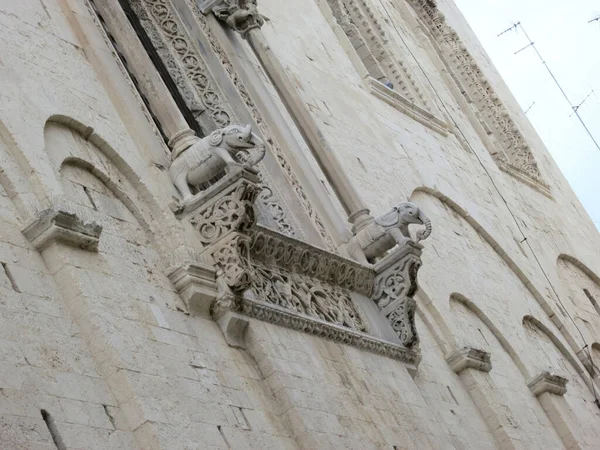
(470,358)
(286,318)
(263,274)
(384,61)
(514,155)
(182,61)
(306,295)
(547,382)
(295,256)
(56,225)
(394,288)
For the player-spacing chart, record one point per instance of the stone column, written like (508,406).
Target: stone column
(472,366)
(148,79)
(550,390)
(245,19)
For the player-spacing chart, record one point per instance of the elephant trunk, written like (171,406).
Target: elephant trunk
(247,133)
(259,152)
(424,234)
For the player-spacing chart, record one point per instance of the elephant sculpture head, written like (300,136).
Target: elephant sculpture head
(238,140)
(404,214)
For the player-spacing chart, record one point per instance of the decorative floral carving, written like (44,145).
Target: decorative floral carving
(306,295)
(394,287)
(184,64)
(515,154)
(233,211)
(231,256)
(276,250)
(286,318)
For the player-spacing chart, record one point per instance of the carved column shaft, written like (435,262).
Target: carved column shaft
(320,149)
(147,77)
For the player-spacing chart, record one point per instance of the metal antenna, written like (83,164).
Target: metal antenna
(576,107)
(573,107)
(530,106)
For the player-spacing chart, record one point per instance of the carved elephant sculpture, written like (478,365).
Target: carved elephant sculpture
(386,231)
(223,149)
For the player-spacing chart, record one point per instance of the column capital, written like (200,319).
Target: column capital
(470,358)
(547,382)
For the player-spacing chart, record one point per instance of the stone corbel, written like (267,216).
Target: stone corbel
(197,286)
(222,215)
(470,358)
(56,225)
(547,382)
(394,287)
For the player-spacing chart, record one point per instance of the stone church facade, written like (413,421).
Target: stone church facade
(318,224)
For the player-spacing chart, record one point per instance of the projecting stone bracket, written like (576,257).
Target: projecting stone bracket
(55,225)
(470,358)
(547,382)
(196,285)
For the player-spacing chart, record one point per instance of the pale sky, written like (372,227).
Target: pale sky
(570,47)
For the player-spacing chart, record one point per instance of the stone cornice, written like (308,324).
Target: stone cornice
(547,382)
(197,286)
(56,225)
(275,249)
(280,316)
(470,358)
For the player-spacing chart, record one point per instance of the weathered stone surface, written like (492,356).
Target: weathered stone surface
(54,225)
(121,353)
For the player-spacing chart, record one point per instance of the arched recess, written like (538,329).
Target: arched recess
(502,394)
(494,244)
(578,410)
(531,323)
(444,392)
(69,142)
(506,346)
(583,289)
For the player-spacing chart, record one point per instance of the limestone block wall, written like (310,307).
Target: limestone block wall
(103,344)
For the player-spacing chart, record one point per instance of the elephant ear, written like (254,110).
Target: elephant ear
(215,138)
(389,219)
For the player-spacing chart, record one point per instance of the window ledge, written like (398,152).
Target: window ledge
(407,107)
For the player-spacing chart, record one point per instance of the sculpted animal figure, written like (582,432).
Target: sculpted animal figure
(386,231)
(209,156)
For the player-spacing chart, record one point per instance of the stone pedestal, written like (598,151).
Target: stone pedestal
(394,287)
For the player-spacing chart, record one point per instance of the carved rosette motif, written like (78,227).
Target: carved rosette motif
(516,156)
(307,296)
(233,211)
(394,288)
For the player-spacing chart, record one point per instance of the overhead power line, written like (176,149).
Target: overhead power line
(574,108)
